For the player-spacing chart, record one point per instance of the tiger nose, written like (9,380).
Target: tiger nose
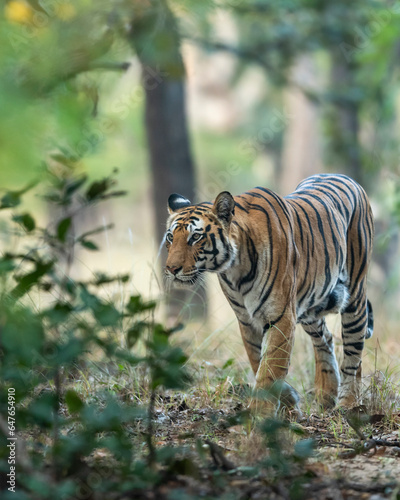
(173,269)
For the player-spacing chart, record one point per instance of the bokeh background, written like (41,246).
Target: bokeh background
(196,98)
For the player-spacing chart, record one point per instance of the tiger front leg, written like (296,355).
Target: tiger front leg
(276,348)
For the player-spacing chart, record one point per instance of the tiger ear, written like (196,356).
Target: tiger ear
(224,207)
(176,202)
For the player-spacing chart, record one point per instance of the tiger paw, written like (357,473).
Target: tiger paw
(280,396)
(263,408)
(264,403)
(289,397)
(325,400)
(290,400)
(348,401)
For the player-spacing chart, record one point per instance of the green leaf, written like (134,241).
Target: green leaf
(97,188)
(13,198)
(64,159)
(41,410)
(67,352)
(103,279)
(114,194)
(106,314)
(62,228)
(89,244)
(26,220)
(75,185)
(59,312)
(134,333)
(10,200)
(73,401)
(28,280)
(228,363)
(22,336)
(6,264)
(53,198)
(136,305)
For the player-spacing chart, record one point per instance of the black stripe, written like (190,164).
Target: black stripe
(358,346)
(240,207)
(309,224)
(253,258)
(256,346)
(268,292)
(270,324)
(357,329)
(227,281)
(232,301)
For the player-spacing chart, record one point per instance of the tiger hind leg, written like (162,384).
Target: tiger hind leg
(327,375)
(357,325)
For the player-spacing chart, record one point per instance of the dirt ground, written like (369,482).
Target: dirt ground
(357,461)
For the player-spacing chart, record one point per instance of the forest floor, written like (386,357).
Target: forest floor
(321,456)
(206,445)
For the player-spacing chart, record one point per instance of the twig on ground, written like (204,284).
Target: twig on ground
(368,488)
(218,457)
(151,457)
(384,442)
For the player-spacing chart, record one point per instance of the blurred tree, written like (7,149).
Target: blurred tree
(48,105)
(277,36)
(154,36)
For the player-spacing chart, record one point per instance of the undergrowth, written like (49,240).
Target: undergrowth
(87,383)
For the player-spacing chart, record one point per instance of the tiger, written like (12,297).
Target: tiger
(283,261)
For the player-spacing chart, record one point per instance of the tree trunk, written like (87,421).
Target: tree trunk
(171,162)
(156,40)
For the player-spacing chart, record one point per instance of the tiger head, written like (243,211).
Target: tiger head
(198,238)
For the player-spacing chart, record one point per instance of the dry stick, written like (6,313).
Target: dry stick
(374,393)
(219,458)
(57,376)
(56,423)
(151,458)
(383,442)
(373,488)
